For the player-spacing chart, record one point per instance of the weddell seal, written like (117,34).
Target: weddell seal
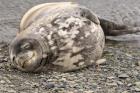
(62,36)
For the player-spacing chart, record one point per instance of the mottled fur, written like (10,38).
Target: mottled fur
(60,36)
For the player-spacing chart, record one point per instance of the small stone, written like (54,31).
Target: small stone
(48,85)
(69,92)
(5,59)
(7,80)
(138,63)
(94,85)
(62,85)
(119,83)
(11,86)
(27,83)
(129,85)
(128,79)
(123,76)
(22,92)
(63,79)
(125,92)
(101,61)
(135,73)
(42,76)
(137,68)
(49,80)
(138,76)
(111,77)
(11,91)
(112,84)
(89,91)
(111,90)
(35,85)
(1,56)
(137,89)
(129,55)
(2,82)
(137,84)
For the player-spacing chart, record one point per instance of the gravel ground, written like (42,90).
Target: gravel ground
(119,11)
(119,74)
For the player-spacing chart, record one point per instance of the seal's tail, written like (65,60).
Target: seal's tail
(113,29)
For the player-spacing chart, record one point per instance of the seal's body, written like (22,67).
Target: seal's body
(61,36)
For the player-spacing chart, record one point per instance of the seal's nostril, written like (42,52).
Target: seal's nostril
(13,59)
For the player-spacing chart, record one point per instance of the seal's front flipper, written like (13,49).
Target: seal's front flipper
(113,29)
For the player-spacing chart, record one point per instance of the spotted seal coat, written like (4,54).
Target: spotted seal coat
(61,36)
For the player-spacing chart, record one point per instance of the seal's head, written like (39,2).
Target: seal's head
(26,53)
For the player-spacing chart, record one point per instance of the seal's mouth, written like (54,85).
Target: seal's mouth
(26,54)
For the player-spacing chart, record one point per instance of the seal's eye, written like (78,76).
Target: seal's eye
(26,46)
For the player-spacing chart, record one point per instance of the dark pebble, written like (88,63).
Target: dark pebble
(48,85)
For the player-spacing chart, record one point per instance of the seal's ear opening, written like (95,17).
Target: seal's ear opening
(26,54)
